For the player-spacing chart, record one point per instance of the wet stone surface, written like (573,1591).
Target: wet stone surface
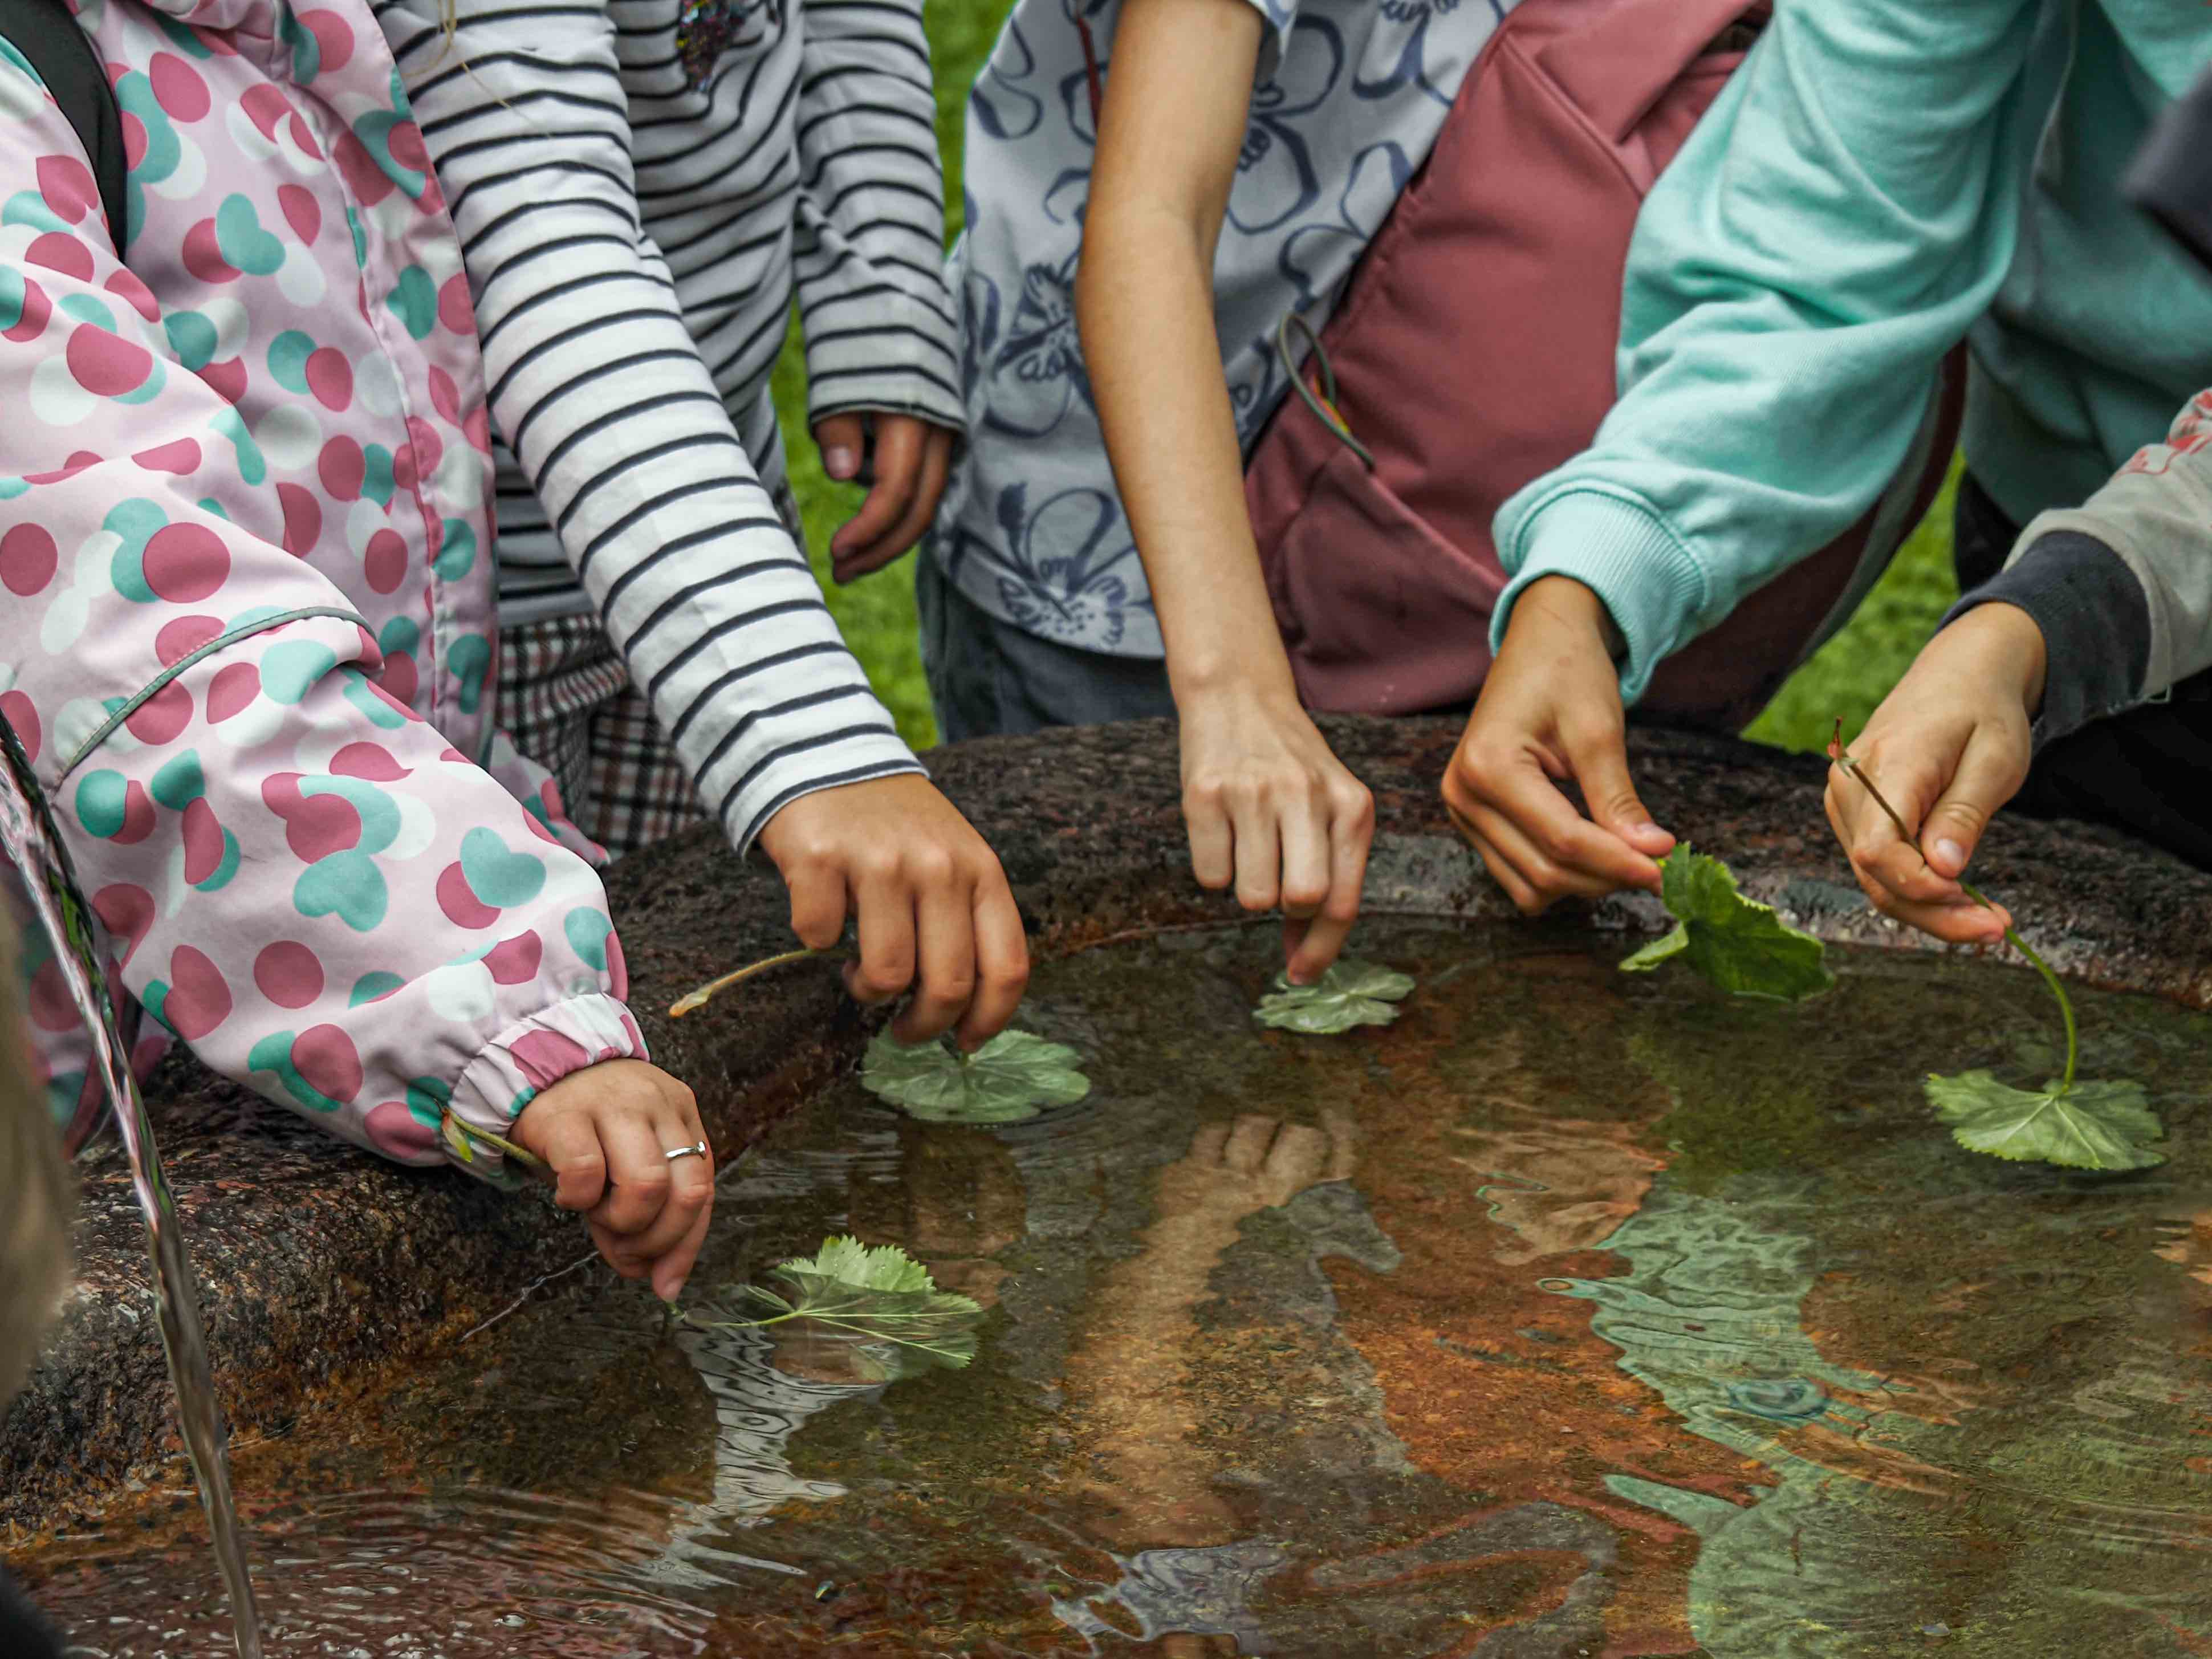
(1574,1313)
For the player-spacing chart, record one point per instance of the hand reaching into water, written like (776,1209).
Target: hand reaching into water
(1948,748)
(605,1133)
(934,910)
(1550,710)
(905,467)
(1272,812)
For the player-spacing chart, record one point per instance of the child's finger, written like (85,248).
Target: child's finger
(1247,1146)
(1351,835)
(690,1196)
(921,508)
(816,889)
(1002,962)
(674,1268)
(842,439)
(899,444)
(637,1169)
(1303,827)
(579,1168)
(1205,822)
(1989,773)
(946,952)
(1259,850)
(886,965)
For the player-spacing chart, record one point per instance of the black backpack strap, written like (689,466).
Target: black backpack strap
(46,32)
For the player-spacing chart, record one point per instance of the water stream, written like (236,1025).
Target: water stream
(1574,1314)
(27,837)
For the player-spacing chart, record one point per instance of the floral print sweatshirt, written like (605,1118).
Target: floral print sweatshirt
(246,631)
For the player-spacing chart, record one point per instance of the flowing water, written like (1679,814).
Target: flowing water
(1575,1313)
(27,839)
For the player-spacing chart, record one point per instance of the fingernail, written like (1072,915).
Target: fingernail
(1648,828)
(1951,853)
(840,463)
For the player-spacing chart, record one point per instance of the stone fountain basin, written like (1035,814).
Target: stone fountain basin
(320,1267)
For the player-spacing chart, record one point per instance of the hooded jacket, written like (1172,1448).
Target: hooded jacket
(247,615)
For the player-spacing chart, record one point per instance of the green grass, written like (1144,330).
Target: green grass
(1849,676)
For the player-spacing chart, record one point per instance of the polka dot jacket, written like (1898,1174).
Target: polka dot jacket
(246,595)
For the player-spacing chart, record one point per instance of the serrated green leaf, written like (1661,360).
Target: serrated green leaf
(878,1294)
(2090,1126)
(1010,1077)
(1741,946)
(1349,994)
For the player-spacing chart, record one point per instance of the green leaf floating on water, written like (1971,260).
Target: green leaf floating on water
(1349,994)
(1743,947)
(1010,1077)
(877,1293)
(2086,1126)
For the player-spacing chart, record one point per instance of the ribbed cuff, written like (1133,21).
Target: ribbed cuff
(850,758)
(530,1056)
(2096,620)
(1620,549)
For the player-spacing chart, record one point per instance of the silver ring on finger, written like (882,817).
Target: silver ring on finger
(697,1149)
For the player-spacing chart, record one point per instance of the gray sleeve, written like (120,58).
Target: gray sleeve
(2155,518)
(2096,626)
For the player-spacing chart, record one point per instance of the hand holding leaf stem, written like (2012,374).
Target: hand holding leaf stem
(1550,711)
(935,913)
(1949,745)
(604,1133)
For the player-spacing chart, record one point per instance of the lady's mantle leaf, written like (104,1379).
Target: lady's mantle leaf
(1005,1080)
(2091,1126)
(1349,994)
(879,1295)
(1741,946)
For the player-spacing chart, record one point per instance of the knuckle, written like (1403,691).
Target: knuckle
(931,865)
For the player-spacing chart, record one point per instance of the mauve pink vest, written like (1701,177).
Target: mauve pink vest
(1474,351)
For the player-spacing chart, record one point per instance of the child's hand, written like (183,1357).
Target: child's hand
(605,1132)
(1550,710)
(905,474)
(1272,812)
(1948,748)
(935,912)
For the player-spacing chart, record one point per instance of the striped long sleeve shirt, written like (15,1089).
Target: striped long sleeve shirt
(640,187)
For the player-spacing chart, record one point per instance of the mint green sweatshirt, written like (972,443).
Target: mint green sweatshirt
(1881,179)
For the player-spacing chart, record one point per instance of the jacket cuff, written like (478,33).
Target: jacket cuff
(1622,551)
(528,1056)
(2096,625)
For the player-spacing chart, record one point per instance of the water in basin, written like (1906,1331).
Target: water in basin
(1575,1313)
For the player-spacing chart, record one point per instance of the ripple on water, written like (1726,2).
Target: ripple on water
(1571,1313)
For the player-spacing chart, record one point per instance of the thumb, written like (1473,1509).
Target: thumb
(1601,768)
(1989,773)
(841,441)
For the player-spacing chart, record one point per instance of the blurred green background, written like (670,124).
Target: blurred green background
(1848,677)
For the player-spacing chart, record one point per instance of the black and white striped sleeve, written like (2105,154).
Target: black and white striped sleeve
(870,250)
(597,386)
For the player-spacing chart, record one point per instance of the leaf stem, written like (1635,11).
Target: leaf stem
(1851,769)
(699,999)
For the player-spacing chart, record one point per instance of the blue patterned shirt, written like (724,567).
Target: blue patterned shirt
(1348,99)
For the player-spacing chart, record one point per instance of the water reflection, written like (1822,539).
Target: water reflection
(1571,1313)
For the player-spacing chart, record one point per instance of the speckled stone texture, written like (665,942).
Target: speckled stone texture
(319,1265)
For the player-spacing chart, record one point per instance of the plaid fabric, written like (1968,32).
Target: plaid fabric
(566,700)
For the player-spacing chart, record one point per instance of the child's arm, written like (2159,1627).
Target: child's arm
(2099,608)
(599,387)
(869,267)
(1838,220)
(303,880)
(1269,809)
